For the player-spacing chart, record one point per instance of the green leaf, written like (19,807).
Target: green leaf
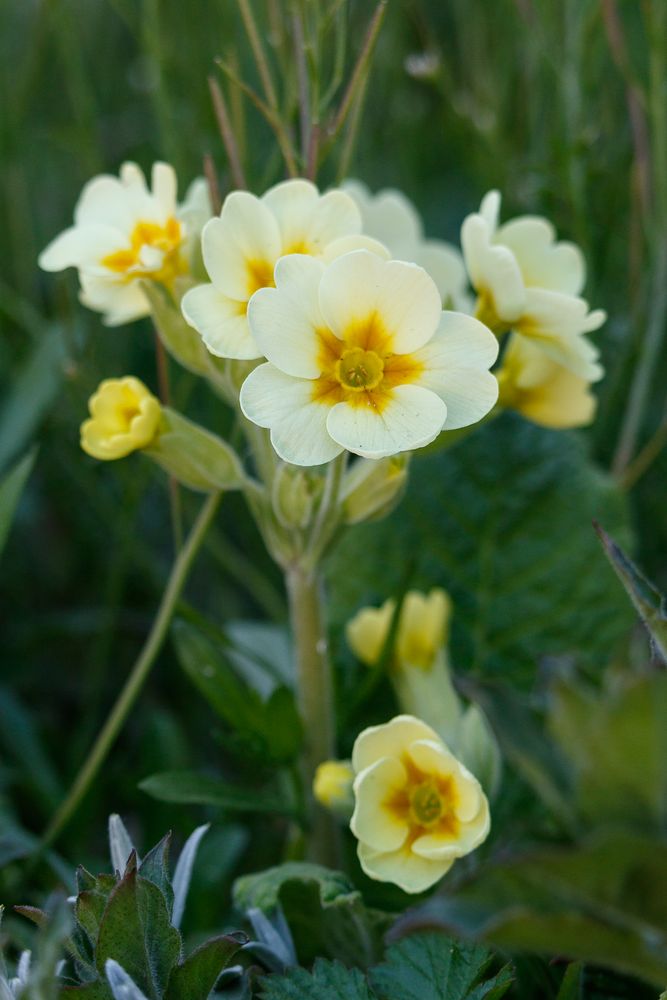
(137,933)
(197,975)
(325,913)
(603,903)
(432,967)
(11,488)
(570,988)
(201,789)
(647,599)
(502,521)
(270,729)
(328,981)
(616,743)
(155,868)
(91,991)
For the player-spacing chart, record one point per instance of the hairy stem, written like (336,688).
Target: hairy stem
(125,701)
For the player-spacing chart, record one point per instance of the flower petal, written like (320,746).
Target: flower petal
(493,270)
(411,418)
(544,263)
(298,425)
(82,246)
(373,820)
(284,320)
(445,265)
(360,284)
(388,740)
(433,757)
(309,221)
(246,236)
(164,186)
(107,201)
(558,322)
(120,302)
(221,321)
(388,216)
(403,867)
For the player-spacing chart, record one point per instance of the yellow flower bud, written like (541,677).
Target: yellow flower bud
(417,808)
(422,629)
(124,417)
(332,786)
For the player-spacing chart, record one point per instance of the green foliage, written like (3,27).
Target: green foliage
(191,787)
(482,520)
(11,488)
(422,967)
(325,913)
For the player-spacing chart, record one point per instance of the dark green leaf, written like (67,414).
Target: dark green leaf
(328,981)
(137,933)
(283,725)
(197,975)
(647,599)
(201,789)
(11,489)
(155,868)
(570,988)
(433,967)
(484,518)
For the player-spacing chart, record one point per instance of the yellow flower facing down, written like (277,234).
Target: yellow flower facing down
(528,282)
(332,786)
(422,629)
(242,246)
(125,232)
(417,808)
(124,417)
(542,390)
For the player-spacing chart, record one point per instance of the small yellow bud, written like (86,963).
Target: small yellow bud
(124,417)
(332,786)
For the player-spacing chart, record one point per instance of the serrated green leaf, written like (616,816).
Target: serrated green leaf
(194,978)
(647,599)
(328,981)
(136,931)
(11,488)
(431,966)
(201,789)
(325,913)
(502,521)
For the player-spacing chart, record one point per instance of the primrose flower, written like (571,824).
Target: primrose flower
(124,417)
(393,220)
(362,358)
(332,786)
(529,283)
(242,246)
(124,233)
(543,391)
(417,808)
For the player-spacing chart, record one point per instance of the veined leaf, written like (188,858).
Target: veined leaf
(328,981)
(201,789)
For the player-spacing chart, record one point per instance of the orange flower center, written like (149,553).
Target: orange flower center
(426,803)
(154,252)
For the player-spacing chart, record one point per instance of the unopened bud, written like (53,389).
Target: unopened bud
(372,487)
(332,787)
(197,458)
(293,496)
(478,749)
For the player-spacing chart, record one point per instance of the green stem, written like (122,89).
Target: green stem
(138,675)
(316,699)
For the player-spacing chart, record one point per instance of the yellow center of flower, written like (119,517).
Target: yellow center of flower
(154,252)
(259,275)
(361,368)
(426,804)
(358,369)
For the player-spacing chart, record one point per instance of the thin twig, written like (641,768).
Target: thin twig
(304,90)
(212,181)
(359,69)
(164,391)
(272,118)
(312,160)
(227,133)
(352,131)
(258,52)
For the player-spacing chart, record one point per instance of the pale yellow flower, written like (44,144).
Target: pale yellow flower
(362,358)
(242,246)
(542,390)
(422,629)
(417,808)
(124,417)
(528,282)
(125,233)
(332,786)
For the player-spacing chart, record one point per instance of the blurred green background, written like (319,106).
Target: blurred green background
(558,103)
